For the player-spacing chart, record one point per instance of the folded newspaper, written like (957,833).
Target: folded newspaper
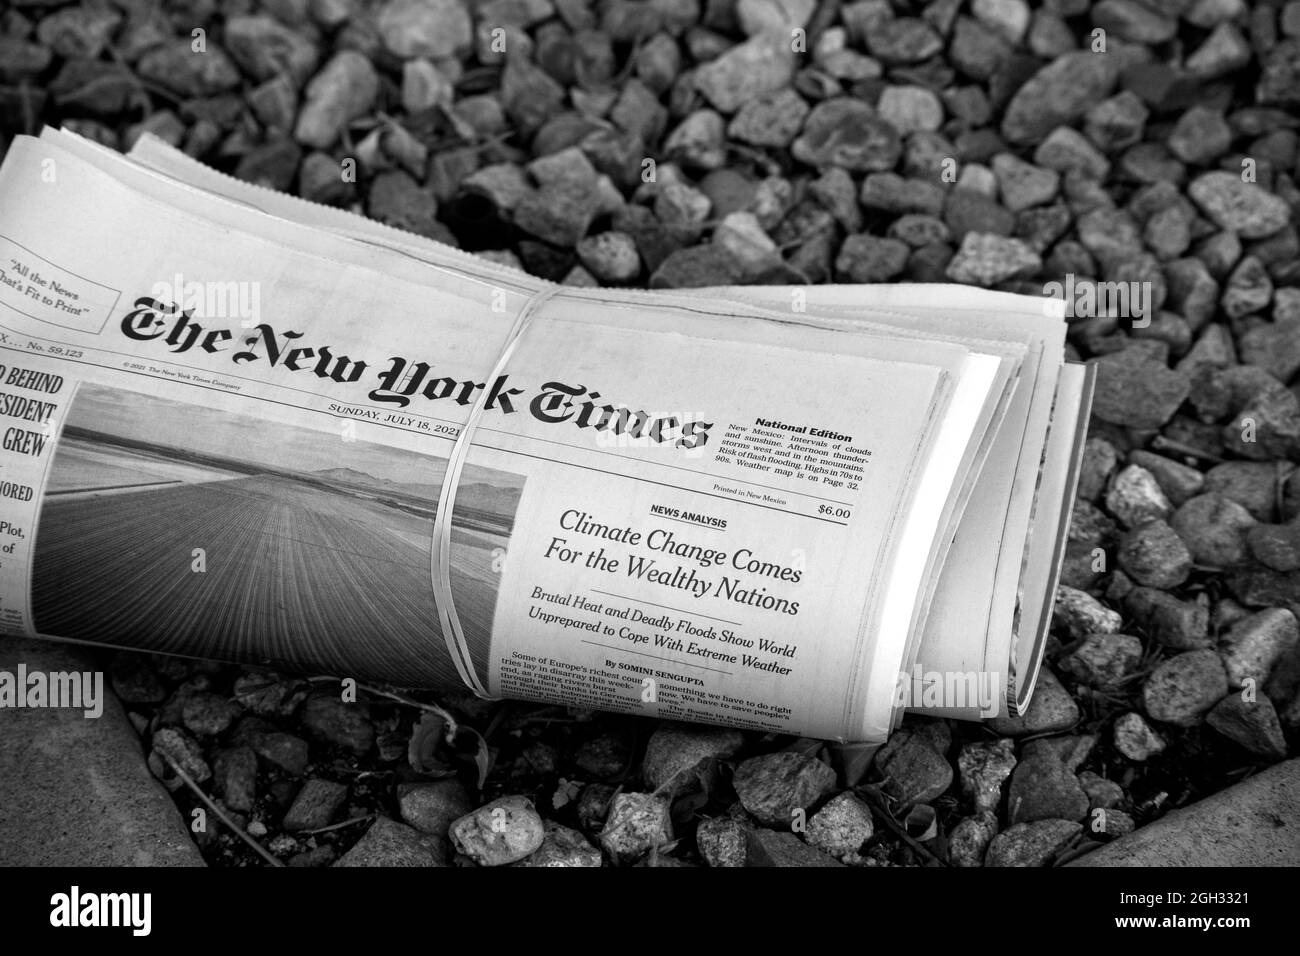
(241,426)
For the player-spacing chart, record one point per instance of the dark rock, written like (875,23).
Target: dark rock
(1184,687)
(774,848)
(235,778)
(912,770)
(866,258)
(1103,660)
(1251,723)
(315,805)
(433,807)
(389,843)
(723,841)
(1181,625)
(1042,788)
(330,720)
(847,132)
(1136,390)
(1057,94)
(1031,844)
(1051,709)
(1154,555)
(775,787)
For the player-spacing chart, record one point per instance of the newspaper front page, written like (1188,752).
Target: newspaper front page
(216,443)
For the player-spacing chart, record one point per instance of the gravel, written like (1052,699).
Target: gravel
(984,144)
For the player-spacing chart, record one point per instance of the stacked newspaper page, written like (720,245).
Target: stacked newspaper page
(240,426)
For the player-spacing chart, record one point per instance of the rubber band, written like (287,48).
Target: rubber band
(452,631)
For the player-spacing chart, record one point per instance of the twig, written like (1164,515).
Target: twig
(219,813)
(338,826)
(1161,443)
(899,831)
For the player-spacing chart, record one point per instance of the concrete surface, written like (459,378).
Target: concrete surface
(76,791)
(1253,823)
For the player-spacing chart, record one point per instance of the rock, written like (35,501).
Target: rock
(425,28)
(699,141)
(1051,709)
(1135,496)
(1082,614)
(1021,184)
(846,132)
(264,694)
(1246,208)
(1251,723)
(234,773)
(327,718)
(343,90)
(1031,844)
(1214,529)
(1102,793)
(723,841)
(78,32)
(740,234)
(1200,136)
(1070,751)
(1043,788)
(265,48)
(1280,74)
(76,792)
(178,68)
(389,843)
(562,846)
(1134,21)
(1253,646)
(910,108)
(1184,687)
(603,756)
(892,193)
(1250,484)
(773,119)
(1111,824)
(1178,482)
(970,211)
(1136,390)
(593,805)
(636,823)
(774,787)
(985,260)
(503,831)
(912,770)
(758,16)
(1057,95)
(841,826)
(503,183)
(696,267)
(208,714)
(1181,625)
(983,767)
(1276,546)
(776,848)
(283,751)
(969,840)
(1103,660)
(760,65)
(611,256)
(675,750)
(1224,51)
(433,807)
(179,750)
(560,213)
(903,40)
(1154,555)
(867,258)
(1135,739)
(1251,824)
(315,805)
(1010,18)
